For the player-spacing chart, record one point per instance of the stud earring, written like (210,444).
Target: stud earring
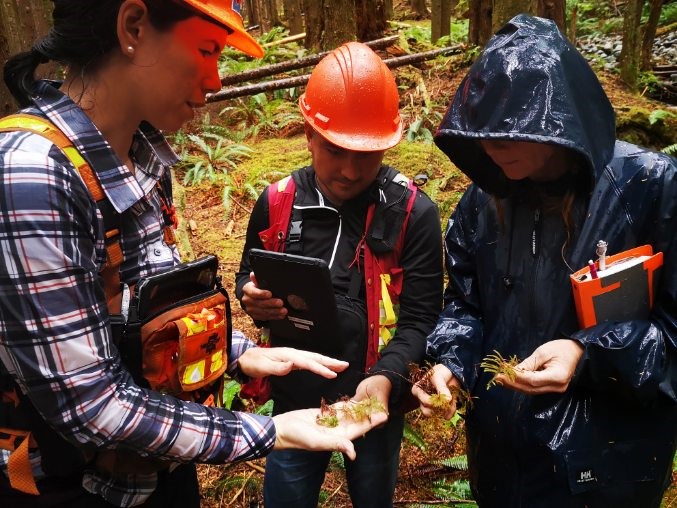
(130,50)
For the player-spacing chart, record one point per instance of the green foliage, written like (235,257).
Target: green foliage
(670,150)
(648,82)
(208,161)
(265,409)
(414,437)
(337,461)
(426,117)
(258,114)
(668,14)
(458,490)
(233,61)
(495,364)
(659,115)
(459,462)
(231,389)
(458,34)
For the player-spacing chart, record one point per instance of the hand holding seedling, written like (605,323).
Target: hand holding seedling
(377,387)
(278,361)
(549,368)
(302,428)
(434,391)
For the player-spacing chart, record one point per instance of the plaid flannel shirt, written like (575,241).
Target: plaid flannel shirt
(55,337)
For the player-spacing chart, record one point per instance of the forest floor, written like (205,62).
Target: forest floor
(425,453)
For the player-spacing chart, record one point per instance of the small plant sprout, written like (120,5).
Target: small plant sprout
(496,364)
(350,410)
(422,376)
(362,410)
(328,416)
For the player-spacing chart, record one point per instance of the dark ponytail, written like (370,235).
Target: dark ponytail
(83,34)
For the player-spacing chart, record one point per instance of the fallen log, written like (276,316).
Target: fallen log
(277,84)
(284,40)
(270,70)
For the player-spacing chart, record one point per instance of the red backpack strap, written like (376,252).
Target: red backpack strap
(280,202)
(387,264)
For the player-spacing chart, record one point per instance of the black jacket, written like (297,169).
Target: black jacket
(610,438)
(332,234)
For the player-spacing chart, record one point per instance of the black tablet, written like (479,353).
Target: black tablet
(178,283)
(304,285)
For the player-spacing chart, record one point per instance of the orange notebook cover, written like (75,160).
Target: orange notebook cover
(623,291)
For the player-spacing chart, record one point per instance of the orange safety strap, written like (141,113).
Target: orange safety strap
(19,470)
(47,129)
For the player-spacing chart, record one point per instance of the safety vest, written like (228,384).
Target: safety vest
(383,275)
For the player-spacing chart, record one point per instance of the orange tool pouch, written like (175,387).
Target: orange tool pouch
(184,348)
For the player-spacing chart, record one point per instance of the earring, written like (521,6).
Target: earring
(130,50)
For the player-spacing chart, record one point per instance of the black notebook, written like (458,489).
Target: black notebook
(304,285)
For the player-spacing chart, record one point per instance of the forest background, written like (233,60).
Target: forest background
(251,134)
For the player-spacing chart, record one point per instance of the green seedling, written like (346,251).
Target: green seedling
(351,410)
(496,364)
(328,416)
(422,376)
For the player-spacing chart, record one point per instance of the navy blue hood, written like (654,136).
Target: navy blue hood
(528,84)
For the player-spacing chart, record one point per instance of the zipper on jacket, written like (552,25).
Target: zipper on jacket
(535,233)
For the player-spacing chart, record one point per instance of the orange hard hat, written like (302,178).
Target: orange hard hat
(351,100)
(229,13)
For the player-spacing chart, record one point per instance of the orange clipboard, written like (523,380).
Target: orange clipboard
(624,291)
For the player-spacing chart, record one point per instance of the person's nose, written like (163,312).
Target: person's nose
(350,169)
(212,80)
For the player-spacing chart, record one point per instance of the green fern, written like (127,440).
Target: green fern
(414,437)
(231,389)
(265,409)
(459,462)
(670,150)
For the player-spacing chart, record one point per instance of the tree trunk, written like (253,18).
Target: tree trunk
(252,10)
(649,34)
(389,11)
(480,14)
(371,19)
(292,14)
(440,14)
(504,10)
(572,25)
(269,16)
(339,23)
(314,24)
(630,54)
(22,22)
(554,10)
(419,9)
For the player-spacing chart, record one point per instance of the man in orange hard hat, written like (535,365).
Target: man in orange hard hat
(381,238)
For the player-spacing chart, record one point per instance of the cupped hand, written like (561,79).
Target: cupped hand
(259,303)
(441,379)
(377,386)
(299,430)
(549,368)
(278,361)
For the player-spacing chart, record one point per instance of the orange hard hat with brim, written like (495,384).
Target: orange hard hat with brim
(229,13)
(352,101)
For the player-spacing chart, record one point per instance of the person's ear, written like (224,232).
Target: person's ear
(309,135)
(132,17)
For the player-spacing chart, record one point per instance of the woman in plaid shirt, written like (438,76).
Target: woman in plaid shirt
(135,68)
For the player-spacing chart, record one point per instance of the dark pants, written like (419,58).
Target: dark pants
(294,477)
(178,489)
